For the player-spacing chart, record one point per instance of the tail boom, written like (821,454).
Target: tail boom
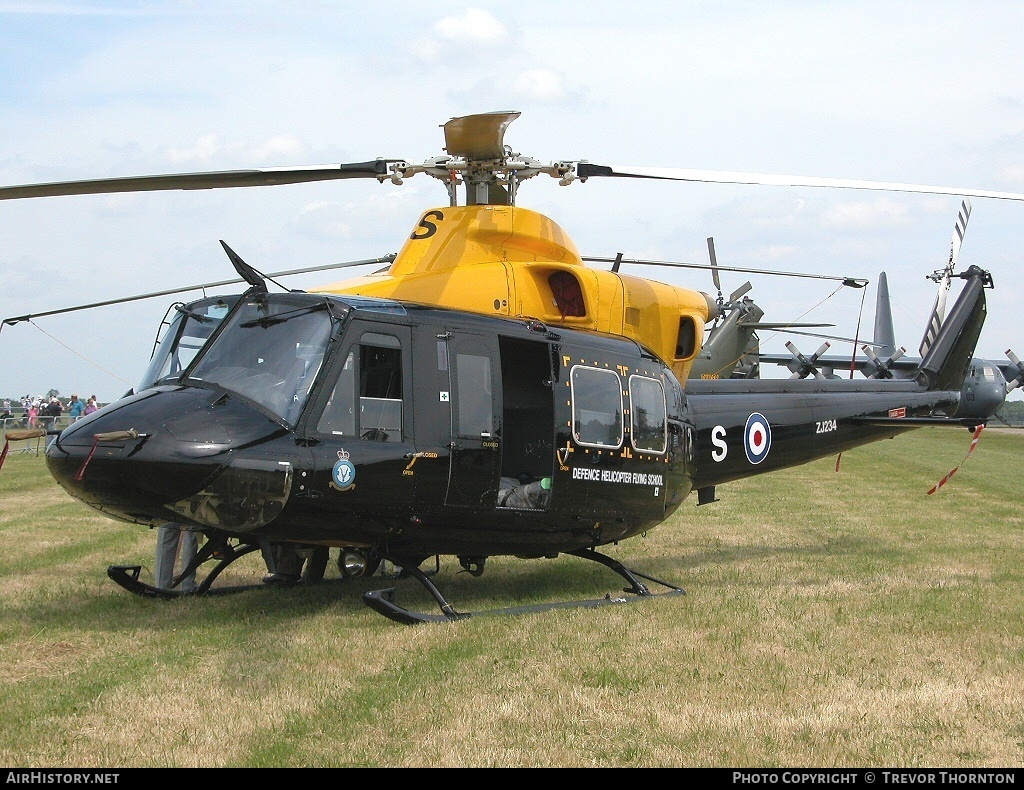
(744,428)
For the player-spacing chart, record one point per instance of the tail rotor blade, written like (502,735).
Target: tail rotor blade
(740,291)
(944,276)
(958,233)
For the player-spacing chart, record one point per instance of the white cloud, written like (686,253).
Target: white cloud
(279,149)
(779,252)
(543,84)
(324,220)
(453,36)
(204,149)
(475,25)
(1013,175)
(866,214)
(285,148)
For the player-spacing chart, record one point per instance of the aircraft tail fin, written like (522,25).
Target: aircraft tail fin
(945,365)
(885,336)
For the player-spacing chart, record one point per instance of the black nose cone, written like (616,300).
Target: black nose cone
(137,456)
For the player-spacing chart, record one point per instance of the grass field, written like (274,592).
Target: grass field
(831,619)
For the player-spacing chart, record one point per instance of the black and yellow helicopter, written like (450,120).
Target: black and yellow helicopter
(487,394)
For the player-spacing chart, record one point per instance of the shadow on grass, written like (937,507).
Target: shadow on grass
(507,582)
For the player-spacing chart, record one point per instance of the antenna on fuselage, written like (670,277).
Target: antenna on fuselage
(255,278)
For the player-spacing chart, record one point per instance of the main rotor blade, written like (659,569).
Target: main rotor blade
(782,328)
(18,319)
(853,282)
(586,170)
(780,325)
(267,176)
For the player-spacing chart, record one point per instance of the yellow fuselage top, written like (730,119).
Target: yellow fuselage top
(510,261)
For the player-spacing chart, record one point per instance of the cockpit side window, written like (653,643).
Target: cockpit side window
(367,399)
(339,418)
(185,336)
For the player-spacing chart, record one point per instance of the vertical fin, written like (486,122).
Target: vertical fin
(885,336)
(945,366)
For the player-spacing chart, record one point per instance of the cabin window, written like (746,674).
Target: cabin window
(596,407)
(686,342)
(648,419)
(380,393)
(367,397)
(476,413)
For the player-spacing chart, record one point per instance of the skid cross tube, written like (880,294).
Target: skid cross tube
(383,601)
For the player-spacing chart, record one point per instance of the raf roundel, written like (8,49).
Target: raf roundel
(757,438)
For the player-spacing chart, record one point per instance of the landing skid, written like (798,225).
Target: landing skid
(383,601)
(224,552)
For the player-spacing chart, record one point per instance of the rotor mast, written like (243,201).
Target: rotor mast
(479,160)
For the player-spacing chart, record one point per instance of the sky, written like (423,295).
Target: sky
(915,92)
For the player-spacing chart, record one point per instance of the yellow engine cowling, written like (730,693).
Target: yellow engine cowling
(510,261)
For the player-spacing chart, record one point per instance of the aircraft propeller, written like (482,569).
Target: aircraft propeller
(1018,374)
(802,366)
(883,370)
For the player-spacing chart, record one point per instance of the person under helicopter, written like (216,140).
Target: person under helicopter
(176,547)
(292,562)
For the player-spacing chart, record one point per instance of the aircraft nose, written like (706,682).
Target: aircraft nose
(983,400)
(148,457)
(990,398)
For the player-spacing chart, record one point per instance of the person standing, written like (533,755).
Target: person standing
(176,546)
(52,412)
(76,408)
(91,405)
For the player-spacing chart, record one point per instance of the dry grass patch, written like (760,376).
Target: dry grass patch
(830,619)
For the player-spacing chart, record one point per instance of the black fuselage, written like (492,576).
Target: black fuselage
(422,431)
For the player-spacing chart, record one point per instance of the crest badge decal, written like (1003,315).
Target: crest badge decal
(343,477)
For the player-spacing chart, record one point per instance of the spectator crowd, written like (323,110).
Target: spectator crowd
(46,411)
